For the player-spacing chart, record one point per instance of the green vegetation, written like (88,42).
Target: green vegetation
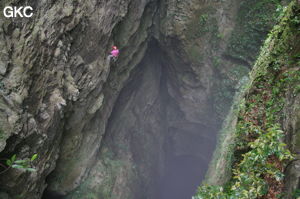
(22,164)
(255,18)
(296,193)
(259,154)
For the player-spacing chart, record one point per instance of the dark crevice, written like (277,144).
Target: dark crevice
(52,195)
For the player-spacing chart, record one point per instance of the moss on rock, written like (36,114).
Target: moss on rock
(254,20)
(259,129)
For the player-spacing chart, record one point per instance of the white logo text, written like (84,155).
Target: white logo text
(10,11)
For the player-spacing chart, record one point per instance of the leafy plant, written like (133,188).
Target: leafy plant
(296,193)
(22,164)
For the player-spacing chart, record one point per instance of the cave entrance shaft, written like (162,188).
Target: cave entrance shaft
(161,150)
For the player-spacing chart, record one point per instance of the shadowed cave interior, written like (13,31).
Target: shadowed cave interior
(170,152)
(186,147)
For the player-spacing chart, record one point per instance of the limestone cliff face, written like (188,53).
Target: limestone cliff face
(103,130)
(271,98)
(54,69)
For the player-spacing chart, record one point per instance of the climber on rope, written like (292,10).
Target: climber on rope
(114,53)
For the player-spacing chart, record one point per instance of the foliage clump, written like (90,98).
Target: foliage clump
(254,20)
(21,164)
(260,153)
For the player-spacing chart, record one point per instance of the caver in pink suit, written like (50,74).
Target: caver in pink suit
(115,52)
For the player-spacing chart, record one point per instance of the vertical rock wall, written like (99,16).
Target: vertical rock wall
(54,101)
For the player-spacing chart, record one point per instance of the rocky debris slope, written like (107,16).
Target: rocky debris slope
(58,93)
